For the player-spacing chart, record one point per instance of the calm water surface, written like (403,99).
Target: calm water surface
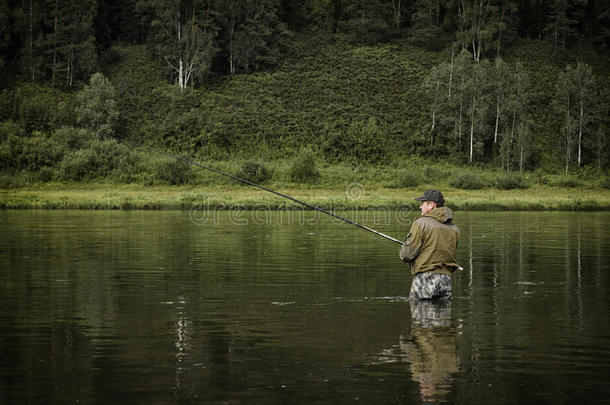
(289,307)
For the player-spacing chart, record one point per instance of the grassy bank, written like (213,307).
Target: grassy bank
(355,196)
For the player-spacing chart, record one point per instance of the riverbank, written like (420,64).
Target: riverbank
(356,196)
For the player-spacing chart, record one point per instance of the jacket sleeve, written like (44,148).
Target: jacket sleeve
(410,249)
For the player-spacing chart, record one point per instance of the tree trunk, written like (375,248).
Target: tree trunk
(580,125)
(509,150)
(31,43)
(474,104)
(54,67)
(521,149)
(231,34)
(460,122)
(497,120)
(568,130)
(451,73)
(500,32)
(438,82)
(397,12)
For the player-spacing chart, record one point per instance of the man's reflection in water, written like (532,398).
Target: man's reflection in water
(430,348)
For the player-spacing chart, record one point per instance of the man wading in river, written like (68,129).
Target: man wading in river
(430,249)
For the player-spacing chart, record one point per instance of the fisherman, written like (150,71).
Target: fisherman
(430,247)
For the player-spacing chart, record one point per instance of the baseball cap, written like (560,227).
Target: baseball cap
(433,195)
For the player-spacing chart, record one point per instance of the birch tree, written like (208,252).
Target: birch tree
(477,109)
(521,107)
(515,145)
(397,13)
(501,76)
(564,104)
(583,84)
(574,100)
(477,25)
(460,83)
(183,38)
(435,92)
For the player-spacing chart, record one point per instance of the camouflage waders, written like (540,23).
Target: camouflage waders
(428,286)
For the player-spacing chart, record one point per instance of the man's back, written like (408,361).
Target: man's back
(432,242)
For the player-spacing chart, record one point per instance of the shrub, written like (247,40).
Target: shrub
(605,183)
(409,179)
(510,181)
(254,171)
(39,151)
(467,181)
(79,165)
(45,174)
(109,155)
(431,172)
(172,171)
(303,169)
(10,181)
(566,181)
(73,138)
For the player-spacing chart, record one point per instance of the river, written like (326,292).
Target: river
(278,307)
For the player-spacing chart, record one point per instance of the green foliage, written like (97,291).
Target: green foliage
(510,181)
(566,181)
(433,173)
(36,107)
(19,152)
(98,159)
(409,179)
(253,171)
(8,181)
(171,171)
(605,183)
(303,168)
(73,138)
(97,109)
(467,181)
(80,164)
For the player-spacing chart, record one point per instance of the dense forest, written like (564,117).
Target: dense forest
(513,85)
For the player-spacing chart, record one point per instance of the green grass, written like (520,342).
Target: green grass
(352,196)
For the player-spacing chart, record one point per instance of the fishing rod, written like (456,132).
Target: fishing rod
(248,182)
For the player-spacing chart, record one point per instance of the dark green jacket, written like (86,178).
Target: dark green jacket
(431,243)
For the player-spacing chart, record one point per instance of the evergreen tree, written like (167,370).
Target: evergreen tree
(507,23)
(29,26)
(426,23)
(252,33)
(562,22)
(4,32)
(68,40)
(601,15)
(369,21)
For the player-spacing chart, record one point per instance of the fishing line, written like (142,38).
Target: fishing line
(248,182)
